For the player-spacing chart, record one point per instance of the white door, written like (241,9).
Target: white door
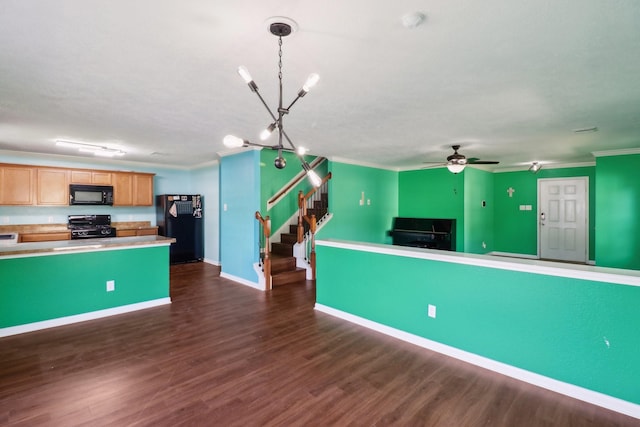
(563,219)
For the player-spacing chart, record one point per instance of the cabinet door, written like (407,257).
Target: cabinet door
(122,189)
(52,186)
(142,190)
(16,185)
(101,178)
(81,177)
(125,233)
(90,177)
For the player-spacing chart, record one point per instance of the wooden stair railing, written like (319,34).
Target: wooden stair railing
(266,230)
(320,207)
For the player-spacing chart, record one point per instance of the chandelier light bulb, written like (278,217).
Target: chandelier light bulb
(311,82)
(231,141)
(266,133)
(244,73)
(314,178)
(301,151)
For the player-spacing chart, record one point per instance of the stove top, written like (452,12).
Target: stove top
(90,226)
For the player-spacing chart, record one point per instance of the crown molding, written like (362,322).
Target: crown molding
(622,152)
(361,163)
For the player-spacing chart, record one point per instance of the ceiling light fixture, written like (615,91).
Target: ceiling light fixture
(535,167)
(96,150)
(279,28)
(455,167)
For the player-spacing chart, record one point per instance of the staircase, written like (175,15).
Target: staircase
(283,263)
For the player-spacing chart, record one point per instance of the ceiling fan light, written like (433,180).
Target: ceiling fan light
(455,167)
(231,141)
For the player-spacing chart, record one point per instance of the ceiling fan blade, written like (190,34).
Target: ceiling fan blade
(433,165)
(481,162)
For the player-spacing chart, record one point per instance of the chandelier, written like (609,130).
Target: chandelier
(280,30)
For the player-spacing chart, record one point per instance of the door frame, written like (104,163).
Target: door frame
(586,212)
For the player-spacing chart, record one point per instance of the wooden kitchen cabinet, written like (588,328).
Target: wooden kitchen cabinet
(142,189)
(17,184)
(52,186)
(49,186)
(45,237)
(90,177)
(122,189)
(150,231)
(132,189)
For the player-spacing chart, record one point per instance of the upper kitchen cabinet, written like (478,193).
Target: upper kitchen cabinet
(17,184)
(132,189)
(52,186)
(142,189)
(91,177)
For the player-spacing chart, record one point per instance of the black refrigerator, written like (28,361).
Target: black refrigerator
(180,217)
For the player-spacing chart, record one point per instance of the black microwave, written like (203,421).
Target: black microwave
(83,194)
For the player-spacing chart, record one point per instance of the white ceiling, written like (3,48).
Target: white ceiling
(509,80)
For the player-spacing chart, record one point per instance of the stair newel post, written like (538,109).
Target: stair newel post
(266,229)
(301,214)
(312,255)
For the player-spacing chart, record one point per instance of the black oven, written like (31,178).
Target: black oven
(83,194)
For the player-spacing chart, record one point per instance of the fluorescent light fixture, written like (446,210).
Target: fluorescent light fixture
(96,150)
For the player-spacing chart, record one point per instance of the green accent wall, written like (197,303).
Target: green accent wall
(370,221)
(478,211)
(41,288)
(575,331)
(618,206)
(273,180)
(516,231)
(434,193)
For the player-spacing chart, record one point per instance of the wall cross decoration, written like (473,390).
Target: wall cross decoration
(511,191)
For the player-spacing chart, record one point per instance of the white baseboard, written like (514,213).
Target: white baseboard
(212,262)
(513,255)
(586,395)
(67,320)
(242,281)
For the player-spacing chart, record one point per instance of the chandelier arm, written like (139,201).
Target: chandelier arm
(273,116)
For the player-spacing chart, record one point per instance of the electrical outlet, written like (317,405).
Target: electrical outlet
(111,285)
(432,311)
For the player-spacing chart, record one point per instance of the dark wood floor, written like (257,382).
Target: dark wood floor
(224,354)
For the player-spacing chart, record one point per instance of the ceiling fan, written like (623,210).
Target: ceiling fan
(456,162)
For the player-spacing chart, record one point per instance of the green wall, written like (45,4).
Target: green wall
(516,231)
(478,211)
(618,206)
(572,330)
(370,221)
(434,193)
(41,288)
(273,180)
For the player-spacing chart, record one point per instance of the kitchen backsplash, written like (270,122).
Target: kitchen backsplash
(58,215)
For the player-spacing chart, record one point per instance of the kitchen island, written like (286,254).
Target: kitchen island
(48,284)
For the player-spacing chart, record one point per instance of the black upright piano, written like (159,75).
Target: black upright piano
(431,233)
